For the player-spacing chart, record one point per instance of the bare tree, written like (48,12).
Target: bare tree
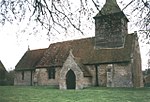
(63,14)
(140,15)
(51,14)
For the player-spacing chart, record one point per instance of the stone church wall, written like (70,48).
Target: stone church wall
(136,61)
(112,75)
(19,81)
(91,69)
(102,75)
(122,75)
(42,77)
(115,75)
(70,64)
(87,81)
(81,80)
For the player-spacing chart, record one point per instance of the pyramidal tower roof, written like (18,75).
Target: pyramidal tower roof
(110,7)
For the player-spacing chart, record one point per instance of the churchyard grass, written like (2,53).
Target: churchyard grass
(51,94)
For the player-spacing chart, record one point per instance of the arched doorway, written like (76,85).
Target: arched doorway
(70,80)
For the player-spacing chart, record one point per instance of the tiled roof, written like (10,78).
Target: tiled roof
(83,68)
(84,49)
(30,59)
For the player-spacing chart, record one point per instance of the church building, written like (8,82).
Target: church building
(110,59)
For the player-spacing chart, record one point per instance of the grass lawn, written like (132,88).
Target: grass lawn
(94,94)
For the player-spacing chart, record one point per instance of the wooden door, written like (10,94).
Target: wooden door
(70,80)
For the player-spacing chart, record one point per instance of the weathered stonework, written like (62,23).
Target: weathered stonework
(110,59)
(136,64)
(102,75)
(70,64)
(25,81)
(122,75)
(91,69)
(114,75)
(41,77)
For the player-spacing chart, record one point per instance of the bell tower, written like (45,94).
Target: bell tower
(110,26)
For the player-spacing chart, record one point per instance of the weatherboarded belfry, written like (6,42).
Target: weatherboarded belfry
(110,59)
(110,26)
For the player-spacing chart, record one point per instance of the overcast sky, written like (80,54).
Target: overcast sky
(14,42)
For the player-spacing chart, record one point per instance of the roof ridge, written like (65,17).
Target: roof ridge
(72,40)
(37,49)
(30,59)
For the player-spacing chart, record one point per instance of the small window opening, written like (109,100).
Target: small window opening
(22,75)
(51,73)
